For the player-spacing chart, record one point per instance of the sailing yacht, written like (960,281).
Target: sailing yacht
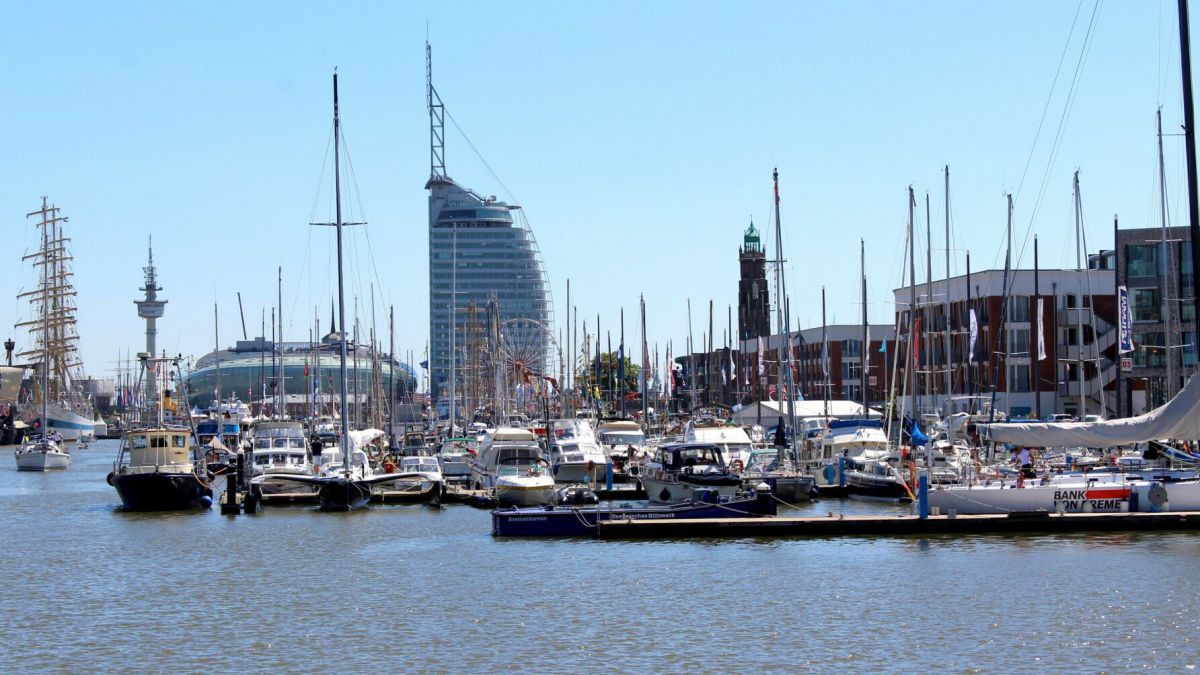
(346,487)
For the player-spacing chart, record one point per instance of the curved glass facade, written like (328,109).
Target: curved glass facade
(243,374)
(477,252)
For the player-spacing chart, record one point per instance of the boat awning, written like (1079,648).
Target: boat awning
(1179,420)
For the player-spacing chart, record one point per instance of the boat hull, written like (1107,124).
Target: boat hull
(581,522)
(161,492)
(68,422)
(340,494)
(41,460)
(525,492)
(667,491)
(876,488)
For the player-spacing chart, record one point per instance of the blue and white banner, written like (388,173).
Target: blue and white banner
(1125,321)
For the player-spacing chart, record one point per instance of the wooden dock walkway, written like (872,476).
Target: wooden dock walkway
(905,525)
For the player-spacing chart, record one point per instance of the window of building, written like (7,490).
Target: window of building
(1185,267)
(851,347)
(1018,308)
(1072,337)
(1070,301)
(1141,260)
(1189,348)
(1018,379)
(1149,350)
(1018,342)
(1187,312)
(851,370)
(1146,304)
(851,392)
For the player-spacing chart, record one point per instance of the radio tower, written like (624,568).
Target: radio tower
(150,309)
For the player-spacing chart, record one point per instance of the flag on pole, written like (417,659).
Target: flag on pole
(974,337)
(732,367)
(916,340)
(825,358)
(762,362)
(1041,338)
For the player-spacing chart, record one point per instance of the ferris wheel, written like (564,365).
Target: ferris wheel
(528,355)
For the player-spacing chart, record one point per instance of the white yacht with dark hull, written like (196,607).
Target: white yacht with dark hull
(511,463)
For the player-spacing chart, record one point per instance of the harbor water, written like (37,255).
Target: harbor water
(417,589)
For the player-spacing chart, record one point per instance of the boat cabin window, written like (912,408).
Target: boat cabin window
(262,443)
(262,460)
(697,457)
(179,441)
(137,442)
(158,441)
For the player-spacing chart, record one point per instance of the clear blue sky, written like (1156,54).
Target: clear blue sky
(639,137)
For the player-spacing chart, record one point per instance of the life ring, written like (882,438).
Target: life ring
(736,466)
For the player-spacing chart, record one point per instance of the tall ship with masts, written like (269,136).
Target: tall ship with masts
(54,340)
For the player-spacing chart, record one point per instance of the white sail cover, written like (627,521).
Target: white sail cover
(359,439)
(1179,419)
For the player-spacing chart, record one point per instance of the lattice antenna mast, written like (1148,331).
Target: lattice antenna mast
(437,121)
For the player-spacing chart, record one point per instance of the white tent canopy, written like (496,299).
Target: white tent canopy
(1179,419)
(805,410)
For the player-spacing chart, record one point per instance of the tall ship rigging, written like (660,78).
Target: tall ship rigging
(53,338)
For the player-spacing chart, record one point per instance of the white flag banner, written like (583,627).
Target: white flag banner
(1041,337)
(762,364)
(825,358)
(974,337)
(866,352)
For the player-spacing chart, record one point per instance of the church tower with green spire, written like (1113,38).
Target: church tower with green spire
(754,309)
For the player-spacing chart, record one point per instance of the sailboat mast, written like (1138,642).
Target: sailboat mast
(1079,304)
(866,345)
(1189,133)
(217,357)
(1169,334)
(785,356)
(645,375)
(281,389)
(947,351)
(46,321)
(392,363)
(337,191)
(913,340)
(927,323)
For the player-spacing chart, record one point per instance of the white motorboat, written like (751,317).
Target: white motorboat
(42,454)
(677,470)
(279,449)
(575,456)
(734,442)
(623,440)
(418,478)
(455,458)
(510,462)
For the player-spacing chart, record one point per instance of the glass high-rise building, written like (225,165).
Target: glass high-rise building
(480,250)
(477,252)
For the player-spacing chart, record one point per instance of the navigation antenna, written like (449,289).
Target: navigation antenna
(437,121)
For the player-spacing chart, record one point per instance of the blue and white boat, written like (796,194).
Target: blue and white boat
(574,521)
